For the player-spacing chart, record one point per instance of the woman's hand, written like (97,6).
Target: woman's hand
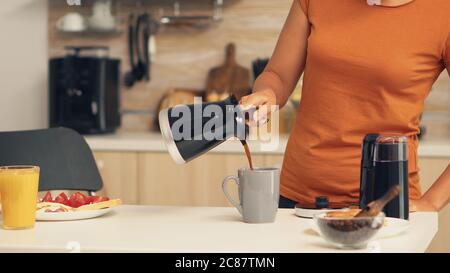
(421,205)
(437,196)
(263,102)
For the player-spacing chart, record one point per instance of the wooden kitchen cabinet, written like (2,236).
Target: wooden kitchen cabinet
(119,175)
(161,182)
(199,183)
(430,170)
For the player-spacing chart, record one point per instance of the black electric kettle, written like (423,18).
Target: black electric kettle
(192,130)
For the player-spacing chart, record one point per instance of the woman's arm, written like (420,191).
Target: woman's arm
(276,83)
(437,197)
(288,60)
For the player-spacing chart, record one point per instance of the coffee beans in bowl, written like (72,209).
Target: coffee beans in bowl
(345,231)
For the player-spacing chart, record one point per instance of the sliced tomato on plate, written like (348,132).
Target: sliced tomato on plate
(77,200)
(98,199)
(62,199)
(89,199)
(47,197)
(95,199)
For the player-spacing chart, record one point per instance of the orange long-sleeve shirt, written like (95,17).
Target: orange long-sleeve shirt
(366,69)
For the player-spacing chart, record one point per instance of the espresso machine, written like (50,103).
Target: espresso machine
(192,130)
(384,163)
(84,90)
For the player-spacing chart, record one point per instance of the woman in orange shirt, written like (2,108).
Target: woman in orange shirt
(367,68)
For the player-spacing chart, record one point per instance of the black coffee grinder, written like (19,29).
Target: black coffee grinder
(192,130)
(384,163)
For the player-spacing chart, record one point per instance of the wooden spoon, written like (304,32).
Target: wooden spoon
(375,207)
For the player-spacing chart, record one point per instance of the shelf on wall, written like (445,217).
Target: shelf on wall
(89,32)
(177,19)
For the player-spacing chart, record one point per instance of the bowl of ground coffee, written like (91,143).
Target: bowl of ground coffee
(345,231)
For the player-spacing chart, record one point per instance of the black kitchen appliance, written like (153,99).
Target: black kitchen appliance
(384,163)
(192,130)
(84,90)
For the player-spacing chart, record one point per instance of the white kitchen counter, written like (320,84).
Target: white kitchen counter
(188,229)
(152,142)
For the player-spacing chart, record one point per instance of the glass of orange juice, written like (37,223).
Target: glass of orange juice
(19,189)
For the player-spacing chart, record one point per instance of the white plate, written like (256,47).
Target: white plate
(309,213)
(392,227)
(71,215)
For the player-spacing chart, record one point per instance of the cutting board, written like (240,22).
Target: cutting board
(228,78)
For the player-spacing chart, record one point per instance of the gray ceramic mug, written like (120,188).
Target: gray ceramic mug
(259,192)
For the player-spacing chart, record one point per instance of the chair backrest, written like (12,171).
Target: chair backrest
(64,157)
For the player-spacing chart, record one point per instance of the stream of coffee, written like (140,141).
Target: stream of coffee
(247,153)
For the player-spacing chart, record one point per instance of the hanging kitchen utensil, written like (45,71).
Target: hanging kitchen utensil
(150,30)
(130,77)
(229,78)
(139,48)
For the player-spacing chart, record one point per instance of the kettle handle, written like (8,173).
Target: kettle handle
(227,195)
